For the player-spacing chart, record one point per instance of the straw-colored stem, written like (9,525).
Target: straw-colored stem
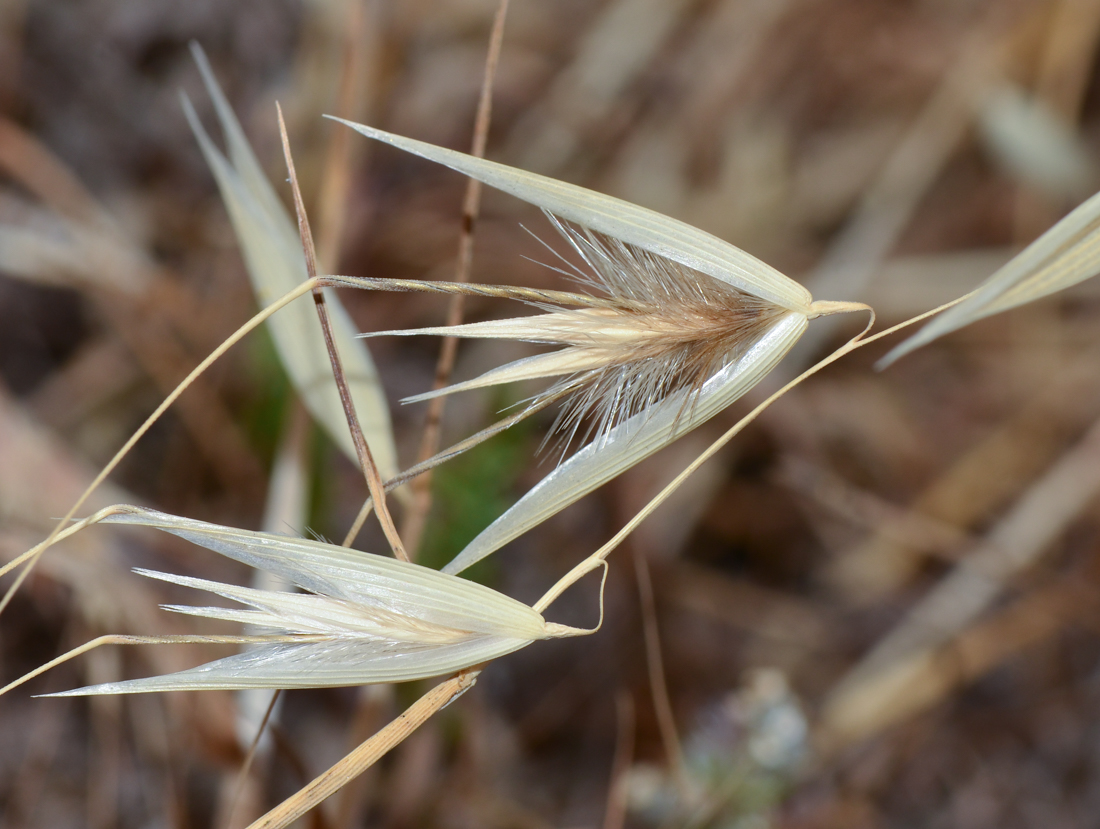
(655,665)
(182,639)
(594,560)
(359,440)
(250,756)
(417,517)
(615,811)
(368,753)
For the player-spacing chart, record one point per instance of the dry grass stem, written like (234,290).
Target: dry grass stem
(362,758)
(448,350)
(1011,546)
(60,531)
(658,686)
(347,402)
(352,101)
(783,125)
(625,727)
(272,249)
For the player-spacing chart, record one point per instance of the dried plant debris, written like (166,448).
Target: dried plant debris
(916,146)
(1067,254)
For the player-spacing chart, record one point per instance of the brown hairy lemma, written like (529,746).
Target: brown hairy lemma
(669,329)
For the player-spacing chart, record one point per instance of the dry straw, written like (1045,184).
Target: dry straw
(273,253)
(1062,257)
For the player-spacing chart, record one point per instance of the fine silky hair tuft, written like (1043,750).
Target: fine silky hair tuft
(669,330)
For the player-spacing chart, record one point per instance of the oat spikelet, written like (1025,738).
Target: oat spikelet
(361,619)
(687,325)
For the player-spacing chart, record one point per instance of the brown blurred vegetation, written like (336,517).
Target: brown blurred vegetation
(820,573)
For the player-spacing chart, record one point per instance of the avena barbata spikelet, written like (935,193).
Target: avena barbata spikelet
(662,333)
(362,619)
(679,324)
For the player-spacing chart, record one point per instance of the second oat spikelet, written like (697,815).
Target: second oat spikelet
(362,619)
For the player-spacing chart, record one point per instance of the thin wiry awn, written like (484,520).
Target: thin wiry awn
(666,330)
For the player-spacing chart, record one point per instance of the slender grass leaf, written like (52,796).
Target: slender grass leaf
(632,441)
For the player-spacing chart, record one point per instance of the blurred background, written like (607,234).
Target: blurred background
(877,607)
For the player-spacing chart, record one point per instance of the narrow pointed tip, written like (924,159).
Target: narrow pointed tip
(428,395)
(363,128)
(888,360)
(404,332)
(197,52)
(89,691)
(407,144)
(918,340)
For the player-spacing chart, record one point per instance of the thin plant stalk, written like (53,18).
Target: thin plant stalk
(615,812)
(362,450)
(336,178)
(448,349)
(376,746)
(471,206)
(59,531)
(249,757)
(658,687)
(369,752)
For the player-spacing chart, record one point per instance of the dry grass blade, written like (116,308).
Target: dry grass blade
(599,557)
(929,675)
(272,251)
(619,45)
(658,685)
(617,792)
(347,403)
(651,231)
(365,619)
(855,257)
(81,246)
(688,325)
(830,138)
(864,700)
(61,529)
(1036,145)
(634,439)
(979,484)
